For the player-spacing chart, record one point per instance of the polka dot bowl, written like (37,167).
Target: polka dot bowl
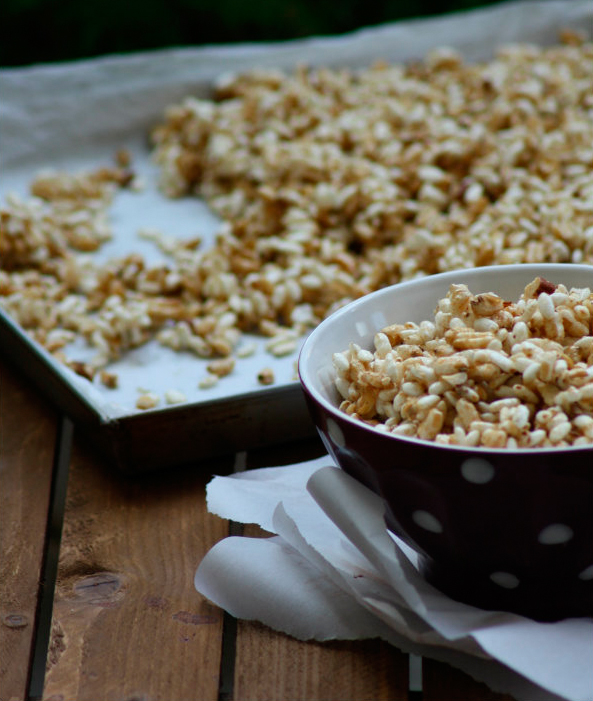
(497,528)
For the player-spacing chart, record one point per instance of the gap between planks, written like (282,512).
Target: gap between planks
(55,518)
(229,632)
(229,626)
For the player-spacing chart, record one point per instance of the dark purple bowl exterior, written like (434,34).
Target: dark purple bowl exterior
(481,538)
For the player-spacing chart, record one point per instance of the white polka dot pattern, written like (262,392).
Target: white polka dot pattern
(506,580)
(586,574)
(427,521)
(555,534)
(477,470)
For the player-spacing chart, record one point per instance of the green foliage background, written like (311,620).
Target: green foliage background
(36,31)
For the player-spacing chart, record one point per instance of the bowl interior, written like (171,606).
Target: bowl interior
(415,300)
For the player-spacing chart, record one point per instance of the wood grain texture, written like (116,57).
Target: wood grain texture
(128,623)
(340,670)
(271,666)
(442,682)
(27,435)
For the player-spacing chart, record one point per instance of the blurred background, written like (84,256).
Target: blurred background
(42,31)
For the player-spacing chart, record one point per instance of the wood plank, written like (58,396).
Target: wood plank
(128,623)
(27,436)
(441,682)
(271,666)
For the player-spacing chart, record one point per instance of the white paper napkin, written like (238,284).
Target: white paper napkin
(333,571)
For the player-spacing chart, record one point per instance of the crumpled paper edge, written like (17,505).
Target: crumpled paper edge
(312,565)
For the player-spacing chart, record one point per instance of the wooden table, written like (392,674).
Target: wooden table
(97,595)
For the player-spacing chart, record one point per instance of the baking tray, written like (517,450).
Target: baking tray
(237,414)
(76,116)
(172,436)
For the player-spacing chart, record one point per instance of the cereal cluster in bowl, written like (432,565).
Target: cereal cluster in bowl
(483,372)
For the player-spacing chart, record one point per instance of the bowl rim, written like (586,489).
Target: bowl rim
(307,381)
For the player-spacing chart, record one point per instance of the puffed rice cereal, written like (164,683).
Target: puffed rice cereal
(484,372)
(331,183)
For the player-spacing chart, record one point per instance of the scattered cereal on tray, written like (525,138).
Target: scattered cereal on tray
(483,372)
(283,343)
(331,183)
(147,401)
(266,376)
(83,369)
(109,379)
(123,158)
(208,381)
(246,350)
(221,367)
(174,396)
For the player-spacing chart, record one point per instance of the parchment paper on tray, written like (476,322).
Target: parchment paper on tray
(76,116)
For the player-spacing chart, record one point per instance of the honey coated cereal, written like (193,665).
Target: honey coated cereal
(331,183)
(484,372)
